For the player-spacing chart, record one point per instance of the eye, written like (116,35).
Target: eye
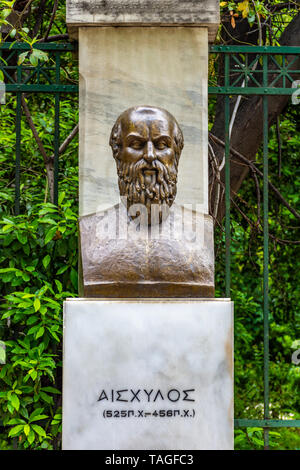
(161,145)
(136,144)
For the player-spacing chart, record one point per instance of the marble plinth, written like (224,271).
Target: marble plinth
(148,374)
(130,66)
(204,13)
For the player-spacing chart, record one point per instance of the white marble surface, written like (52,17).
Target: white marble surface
(169,346)
(130,66)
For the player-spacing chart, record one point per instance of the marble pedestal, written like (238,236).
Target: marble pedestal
(148,374)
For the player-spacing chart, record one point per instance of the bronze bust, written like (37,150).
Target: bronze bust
(146,246)
(146,144)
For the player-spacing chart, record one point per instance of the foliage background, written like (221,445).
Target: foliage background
(38,270)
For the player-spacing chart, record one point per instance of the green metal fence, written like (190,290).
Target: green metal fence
(46,77)
(249,70)
(274,76)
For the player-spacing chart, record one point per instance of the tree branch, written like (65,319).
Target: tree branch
(39,14)
(48,163)
(56,37)
(33,130)
(66,142)
(247,133)
(254,168)
(258,226)
(51,19)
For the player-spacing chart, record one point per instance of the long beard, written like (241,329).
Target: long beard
(159,188)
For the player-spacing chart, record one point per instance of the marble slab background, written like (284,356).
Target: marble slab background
(129,66)
(165,345)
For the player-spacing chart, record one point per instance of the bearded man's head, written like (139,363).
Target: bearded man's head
(147,142)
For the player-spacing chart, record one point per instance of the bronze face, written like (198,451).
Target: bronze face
(147,143)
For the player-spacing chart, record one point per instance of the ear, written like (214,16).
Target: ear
(115,139)
(178,139)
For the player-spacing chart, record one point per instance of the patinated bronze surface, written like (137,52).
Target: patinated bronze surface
(146,144)
(146,246)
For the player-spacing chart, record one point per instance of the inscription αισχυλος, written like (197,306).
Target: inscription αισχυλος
(129,395)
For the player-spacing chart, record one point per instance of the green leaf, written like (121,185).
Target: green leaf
(47,220)
(2,353)
(53,334)
(40,332)
(62,269)
(46,261)
(61,197)
(46,398)
(39,430)
(40,55)
(43,310)
(16,421)
(38,417)
(37,304)
(22,237)
(25,277)
(31,436)
(24,411)
(5,13)
(6,270)
(22,57)
(8,3)
(51,390)
(32,319)
(15,401)
(15,431)
(33,330)
(74,278)
(26,429)
(36,412)
(50,234)
(25,305)
(59,285)
(10,408)
(33,59)
(33,374)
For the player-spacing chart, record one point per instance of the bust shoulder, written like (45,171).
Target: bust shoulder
(171,255)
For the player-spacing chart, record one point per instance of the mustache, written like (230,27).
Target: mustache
(130,171)
(132,181)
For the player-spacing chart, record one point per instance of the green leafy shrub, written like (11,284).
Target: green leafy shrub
(38,271)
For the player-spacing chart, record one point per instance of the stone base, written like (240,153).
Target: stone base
(150,374)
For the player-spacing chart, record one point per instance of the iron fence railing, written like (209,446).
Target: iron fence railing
(256,70)
(248,70)
(45,77)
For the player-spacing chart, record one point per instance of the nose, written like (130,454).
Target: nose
(149,152)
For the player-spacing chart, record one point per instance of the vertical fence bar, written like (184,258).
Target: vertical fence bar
(56,130)
(266,251)
(18,141)
(227,182)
